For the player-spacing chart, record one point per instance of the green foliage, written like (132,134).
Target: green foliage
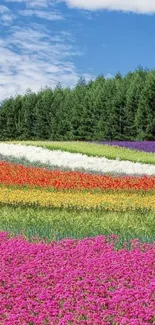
(120,108)
(132,102)
(145,116)
(55,224)
(27,116)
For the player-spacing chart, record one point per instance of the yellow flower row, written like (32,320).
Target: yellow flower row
(109,201)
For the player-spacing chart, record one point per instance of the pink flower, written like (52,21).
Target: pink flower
(79,282)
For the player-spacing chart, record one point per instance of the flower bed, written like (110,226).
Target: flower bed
(14,174)
(91,276)
(76,282)
(146,146)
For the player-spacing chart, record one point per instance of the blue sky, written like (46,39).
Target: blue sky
(43,42)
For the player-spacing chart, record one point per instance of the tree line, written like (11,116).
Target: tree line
(120,108)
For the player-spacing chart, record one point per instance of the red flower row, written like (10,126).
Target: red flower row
(11,174)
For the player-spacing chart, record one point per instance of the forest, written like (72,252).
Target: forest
(119,108)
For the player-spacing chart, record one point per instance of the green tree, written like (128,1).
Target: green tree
(56,107)
(145,116)
(43,114)
(77,121)
(64,115)
(132,101)
(116,118)
(8,120)
(28,116)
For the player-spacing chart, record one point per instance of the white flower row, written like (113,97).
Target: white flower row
(74,161)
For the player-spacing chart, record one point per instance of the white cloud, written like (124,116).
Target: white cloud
(49,15)
(109,76)
(33,3)
(6,16)
(31,55)
(137,6)
(4,9)
(31,58)
(37,3)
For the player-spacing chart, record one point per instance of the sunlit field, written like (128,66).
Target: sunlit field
(77,233)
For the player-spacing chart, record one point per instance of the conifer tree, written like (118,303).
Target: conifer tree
(145,116)
(79,94)
(43,114)
(28,114)
(119,108)
(134,91)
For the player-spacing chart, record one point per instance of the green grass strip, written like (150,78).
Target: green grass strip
(93,149)
(56,224)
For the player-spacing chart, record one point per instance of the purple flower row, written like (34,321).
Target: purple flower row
(79,282)
(147,146)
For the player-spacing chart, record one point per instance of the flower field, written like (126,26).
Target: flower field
(77,238)
(13,174)
(76,282)
(146,146)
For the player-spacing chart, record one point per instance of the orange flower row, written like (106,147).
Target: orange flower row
(11,174)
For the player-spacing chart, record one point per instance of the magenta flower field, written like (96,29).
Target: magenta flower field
(76,282)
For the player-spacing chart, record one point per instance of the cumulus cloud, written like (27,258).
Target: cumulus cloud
(137,6)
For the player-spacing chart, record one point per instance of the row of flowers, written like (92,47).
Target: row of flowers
(110,201)
(74,161)
(11,174)
(76,282)
(146,146)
